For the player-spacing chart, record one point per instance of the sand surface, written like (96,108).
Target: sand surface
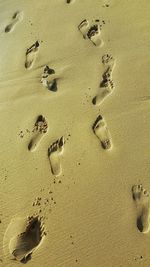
(75,146)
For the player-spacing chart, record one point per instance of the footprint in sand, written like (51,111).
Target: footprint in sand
(101,131)
(142,201)
(48,80)
(54,153)
(31,55)
(40,128)
(17,17)
(107,84)
(22,237)
(92,31)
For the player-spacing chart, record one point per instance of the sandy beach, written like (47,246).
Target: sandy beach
(75,146)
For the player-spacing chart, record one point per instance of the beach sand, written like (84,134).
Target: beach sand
(75,146)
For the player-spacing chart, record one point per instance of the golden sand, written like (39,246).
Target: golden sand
(75,146)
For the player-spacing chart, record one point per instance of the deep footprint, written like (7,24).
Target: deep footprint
(54,153)
(101,131)
(48,80)
(91,31)
(142,201)
(23,245)
(31,55)
(107,84)
(17,17)
(39,130)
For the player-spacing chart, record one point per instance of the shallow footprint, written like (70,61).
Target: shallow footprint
(107,84)
(109,64)
(22,244)
(101,96)
(17,17)
(91,31)
(31,55)
(40,128)
(142,201)
(101,131)
(54,153)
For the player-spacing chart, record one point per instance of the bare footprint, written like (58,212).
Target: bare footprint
(17,17)
(107,84)
(94,35)
(109,64)
(40,128)
(22,244)
(48,80)
(101,131)
(142,201)
(92,31)
(54,153)
(31,55)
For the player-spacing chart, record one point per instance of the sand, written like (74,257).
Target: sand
(74,113)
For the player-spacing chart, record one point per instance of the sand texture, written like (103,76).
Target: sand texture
(75,146)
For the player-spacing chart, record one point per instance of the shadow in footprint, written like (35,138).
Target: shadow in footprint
(101,131)
(52,86)
(142,201)
(107,84)
(27,241)
(26,259)
(23,236)
(92,31)
(39,130)
(69,1)
(31,55)
(140,224)
(54,153)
